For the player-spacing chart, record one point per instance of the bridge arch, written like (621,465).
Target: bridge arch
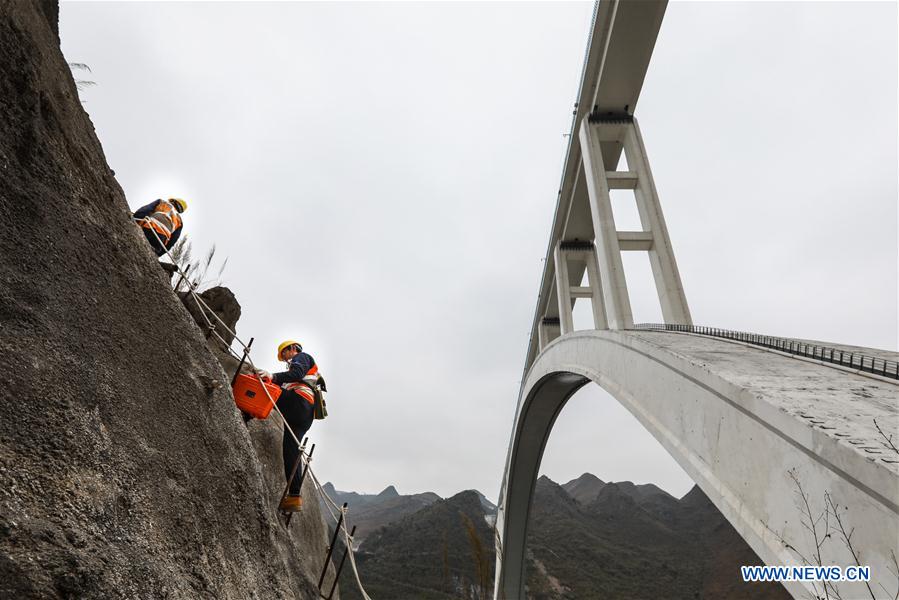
(731,416)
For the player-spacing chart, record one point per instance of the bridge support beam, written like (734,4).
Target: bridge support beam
(563,291)
(661,255)
(610,242)
(584,254)
(547,331)
(614,286)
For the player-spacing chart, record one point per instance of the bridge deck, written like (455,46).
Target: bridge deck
(841,404)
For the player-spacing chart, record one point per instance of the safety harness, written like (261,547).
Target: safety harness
(164,220)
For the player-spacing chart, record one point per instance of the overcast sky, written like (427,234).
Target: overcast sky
(382,178)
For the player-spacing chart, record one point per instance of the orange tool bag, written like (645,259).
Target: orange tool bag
(250,396)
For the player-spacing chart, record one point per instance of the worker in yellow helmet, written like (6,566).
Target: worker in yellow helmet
(296,403)
(162,223)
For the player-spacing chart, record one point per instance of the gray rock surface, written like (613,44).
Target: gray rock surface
(125,472)
(222,302)
(265,435)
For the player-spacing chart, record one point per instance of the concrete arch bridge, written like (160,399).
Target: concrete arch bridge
(757,422)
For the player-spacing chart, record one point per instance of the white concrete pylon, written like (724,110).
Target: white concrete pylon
(583,254)
(614,285)
(599,307)
(547,331)
(609,241)
(563,291)
(661,255)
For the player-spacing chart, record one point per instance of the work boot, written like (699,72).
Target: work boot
(291,504)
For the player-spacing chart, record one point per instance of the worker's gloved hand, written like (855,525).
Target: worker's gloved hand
(264,375)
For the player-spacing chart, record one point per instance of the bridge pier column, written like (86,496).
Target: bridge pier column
(583,254)
(622,129)
(547,331)
(614,285)
(661,255)
(563,291)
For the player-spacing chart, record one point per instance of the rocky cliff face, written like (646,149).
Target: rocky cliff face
(125,469)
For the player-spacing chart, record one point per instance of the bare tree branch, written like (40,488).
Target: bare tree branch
(812,527)
(888,440)
(896,573)
(833,509)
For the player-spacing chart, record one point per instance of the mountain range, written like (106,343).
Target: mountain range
(587,539)
(371,511)
(592,539)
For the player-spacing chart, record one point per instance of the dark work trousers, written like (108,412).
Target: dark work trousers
(158,248)
(299,415)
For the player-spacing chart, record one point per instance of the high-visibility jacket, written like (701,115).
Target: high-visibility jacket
(300,377)
(163,218)
(304,388)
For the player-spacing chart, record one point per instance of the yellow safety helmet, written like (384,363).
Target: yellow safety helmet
(179,203)
(285,345)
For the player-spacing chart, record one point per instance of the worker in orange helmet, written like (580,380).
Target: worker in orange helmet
(296,403)
(162,223)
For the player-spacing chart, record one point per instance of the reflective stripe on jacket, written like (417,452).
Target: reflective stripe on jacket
(304,388)
(301,375)
(164,220)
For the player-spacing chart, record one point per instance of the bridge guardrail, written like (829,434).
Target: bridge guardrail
(852,360)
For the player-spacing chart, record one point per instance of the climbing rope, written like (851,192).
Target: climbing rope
(205,310)
(347,538)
